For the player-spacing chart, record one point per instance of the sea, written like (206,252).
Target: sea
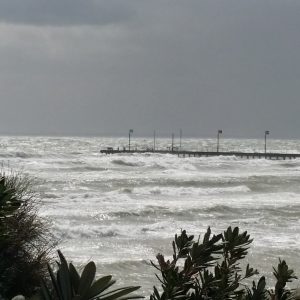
(122,210)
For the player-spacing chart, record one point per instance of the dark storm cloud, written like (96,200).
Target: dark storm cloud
(199,65)
(64,12)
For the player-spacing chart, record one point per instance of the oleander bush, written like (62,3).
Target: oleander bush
(25,241)
(210,269)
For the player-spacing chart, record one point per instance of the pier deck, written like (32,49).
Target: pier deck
(248,155)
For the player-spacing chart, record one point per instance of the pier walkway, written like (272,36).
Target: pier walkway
(248,155)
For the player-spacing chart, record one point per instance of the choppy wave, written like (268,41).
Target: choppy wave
(181,191)
(82,231)
(50,196)
(123,162)
(88,169)
(20,154)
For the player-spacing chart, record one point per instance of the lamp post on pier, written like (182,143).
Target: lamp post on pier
(154,140)
(267,132)
(129,135)
(172,145)
(218,139)
(180,138)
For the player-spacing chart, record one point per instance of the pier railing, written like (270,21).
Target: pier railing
(248,155)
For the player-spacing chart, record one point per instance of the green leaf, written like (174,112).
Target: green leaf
(45,291)
(131,297)
(119,293)
(87,278)
(99,286)
(75,278)
(54,282)
(63,278)
(283,275)
(259,291)
(250,271)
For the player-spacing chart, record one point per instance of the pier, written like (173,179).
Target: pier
(181,153)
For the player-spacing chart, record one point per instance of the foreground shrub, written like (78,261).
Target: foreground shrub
(24,239)
(69,285)
(210,269)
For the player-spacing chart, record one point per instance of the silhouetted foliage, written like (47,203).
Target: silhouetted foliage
(24,239)
(210,269)
(69,285)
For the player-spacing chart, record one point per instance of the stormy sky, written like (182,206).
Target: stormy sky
(95,67)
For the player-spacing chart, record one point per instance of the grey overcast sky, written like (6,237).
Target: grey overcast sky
(95,67)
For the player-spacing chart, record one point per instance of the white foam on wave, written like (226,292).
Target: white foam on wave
(186,191)
(69,230)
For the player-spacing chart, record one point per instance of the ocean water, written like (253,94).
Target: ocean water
(121,210)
